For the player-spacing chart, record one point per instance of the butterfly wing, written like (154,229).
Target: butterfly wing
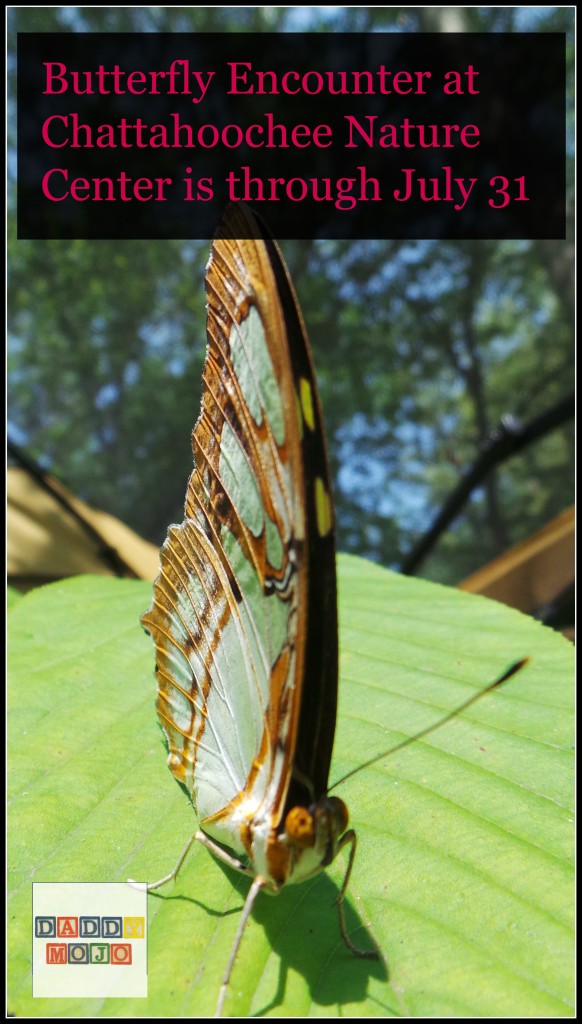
(319,687)
(244,612)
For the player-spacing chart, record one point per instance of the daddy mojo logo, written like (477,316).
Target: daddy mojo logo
(89,940)
(90,928)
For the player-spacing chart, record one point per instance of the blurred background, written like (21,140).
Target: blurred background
(433,358)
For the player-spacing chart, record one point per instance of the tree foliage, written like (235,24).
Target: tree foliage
(421,347)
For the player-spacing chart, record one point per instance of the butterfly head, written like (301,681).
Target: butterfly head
(310,839)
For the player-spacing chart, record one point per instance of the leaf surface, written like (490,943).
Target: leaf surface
(463,874)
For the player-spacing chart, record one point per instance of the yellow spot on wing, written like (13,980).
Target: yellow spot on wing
(299,416)
(322,508)
(306,396)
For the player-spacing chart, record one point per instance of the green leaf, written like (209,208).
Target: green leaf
(463,873)
(12,596)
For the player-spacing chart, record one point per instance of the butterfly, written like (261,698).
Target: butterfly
(244,615)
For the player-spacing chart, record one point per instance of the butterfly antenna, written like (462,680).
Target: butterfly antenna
(436,725)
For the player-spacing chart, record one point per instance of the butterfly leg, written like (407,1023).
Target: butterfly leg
(214,848)
(252,894)
(369,954)
(255,888)
(220,853)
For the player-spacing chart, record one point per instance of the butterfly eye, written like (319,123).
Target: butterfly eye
(299,827)
(340,813)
